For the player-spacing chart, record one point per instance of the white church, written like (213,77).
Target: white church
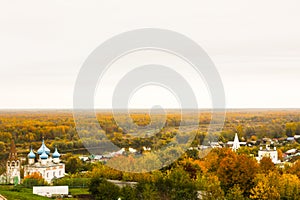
(268,152)
(49,166)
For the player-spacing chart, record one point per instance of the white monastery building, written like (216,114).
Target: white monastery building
(49,166)
(268,152)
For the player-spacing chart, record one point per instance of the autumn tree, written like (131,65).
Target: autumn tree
(235,193)
(266,165)
(2,147)
(210,187)
(103,171)
(295,168)
(213,159)
(266,186)
(237,169)
(5,137)
(290,129)
(289,186)
(263,191)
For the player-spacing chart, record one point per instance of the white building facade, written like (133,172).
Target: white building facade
(49,191)
(268,152)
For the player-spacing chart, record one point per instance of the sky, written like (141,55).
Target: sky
(254,44)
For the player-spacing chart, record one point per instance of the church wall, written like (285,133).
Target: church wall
(48,173)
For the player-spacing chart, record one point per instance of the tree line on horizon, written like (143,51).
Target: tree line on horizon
(58,129)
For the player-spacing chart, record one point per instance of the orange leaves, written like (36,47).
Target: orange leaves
(266,165)
(295,169)
(237,169)
(34,175)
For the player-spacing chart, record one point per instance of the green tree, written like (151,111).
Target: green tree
(176,184)
(128,193)
(101,189)
(73,165)
(147,191)
(182,186)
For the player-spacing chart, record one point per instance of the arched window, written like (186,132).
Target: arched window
(17,163)
(8,164)
(13,163)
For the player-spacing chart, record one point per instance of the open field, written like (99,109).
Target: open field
(10,192)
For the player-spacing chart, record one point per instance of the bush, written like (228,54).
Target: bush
(101,189)
(128,193)
(34,179)
(73,182)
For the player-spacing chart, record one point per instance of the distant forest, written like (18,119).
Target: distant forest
(57,127)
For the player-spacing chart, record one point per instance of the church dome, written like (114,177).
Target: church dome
(43,148)
(55,154)
(44,155)
(31,155)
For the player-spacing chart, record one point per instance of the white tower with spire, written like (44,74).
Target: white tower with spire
(236,143)
(13,165)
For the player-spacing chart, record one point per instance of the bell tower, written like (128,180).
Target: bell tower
(13,165)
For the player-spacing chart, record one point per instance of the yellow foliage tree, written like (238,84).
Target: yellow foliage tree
(263,191)
(289,186)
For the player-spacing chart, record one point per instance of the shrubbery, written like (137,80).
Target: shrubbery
(35,179)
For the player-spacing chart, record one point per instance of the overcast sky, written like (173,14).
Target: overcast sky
(254,44)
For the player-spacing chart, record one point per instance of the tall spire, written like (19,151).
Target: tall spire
(13,152)
(236,143)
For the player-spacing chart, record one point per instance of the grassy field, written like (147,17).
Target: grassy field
(12,193)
